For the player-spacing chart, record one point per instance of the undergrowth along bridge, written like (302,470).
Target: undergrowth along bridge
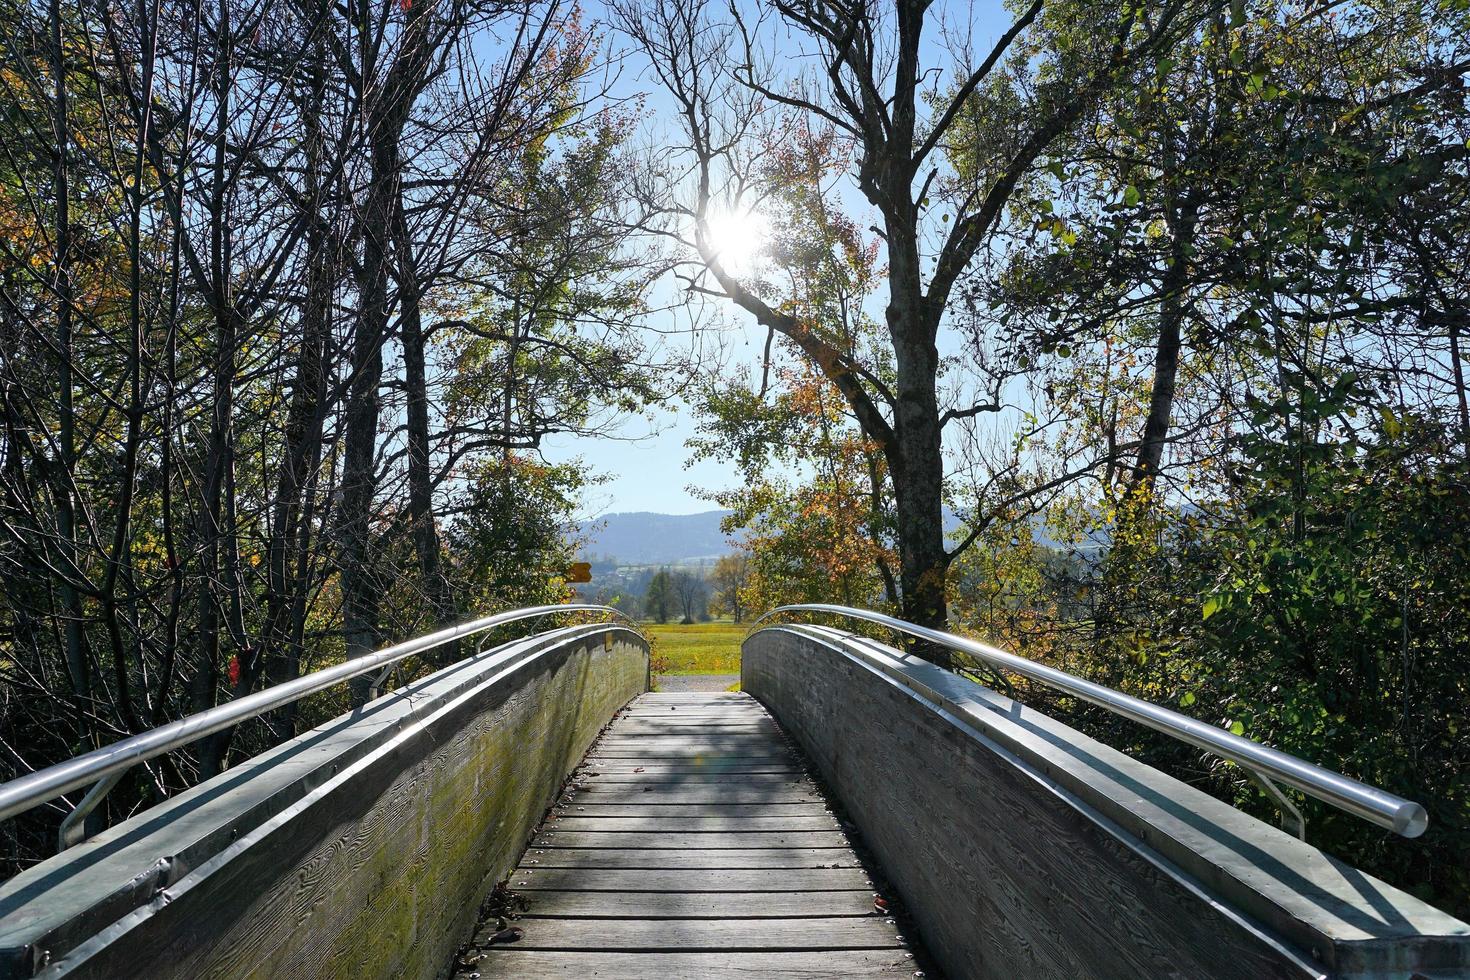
(459,825)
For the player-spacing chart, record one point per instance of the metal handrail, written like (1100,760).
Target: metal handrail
(1403,817)
(102,766)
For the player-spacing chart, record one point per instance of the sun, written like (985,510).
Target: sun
(739,239)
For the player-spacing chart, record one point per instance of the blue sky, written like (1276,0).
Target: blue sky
(650,474)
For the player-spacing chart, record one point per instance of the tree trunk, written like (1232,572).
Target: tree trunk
(1180,218)
(918,484)
(290,533)
(1462,403)
(389,105)
(220,459)
(420,476)
(364,405)
(916,455)
(77,659)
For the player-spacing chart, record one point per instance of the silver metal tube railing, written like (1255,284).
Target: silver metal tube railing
(1403,817)
(103,766)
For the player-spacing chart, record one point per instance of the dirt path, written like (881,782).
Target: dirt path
(671,683)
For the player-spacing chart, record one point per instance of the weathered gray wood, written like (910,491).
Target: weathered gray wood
(673,711)
(610,766)
(688,880)
(693,825)
(735,743)
(707,935)
(712,719)
(595,857)
(705,872)
(695,793)
(694,778)
(691,841)
(678,753)
(539,965)
(711,725)
(1024,849)
(700,905)
(702,697)
(592,808)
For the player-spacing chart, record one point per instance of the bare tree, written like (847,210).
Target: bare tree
(692,595)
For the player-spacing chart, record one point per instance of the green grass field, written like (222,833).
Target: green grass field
(703,648)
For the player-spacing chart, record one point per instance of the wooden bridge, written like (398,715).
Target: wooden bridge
(531,811)
(693,844)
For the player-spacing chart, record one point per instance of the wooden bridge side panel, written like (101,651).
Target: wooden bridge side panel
(381,872)
(1005,877)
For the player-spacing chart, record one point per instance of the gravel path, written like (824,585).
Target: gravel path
(667,683)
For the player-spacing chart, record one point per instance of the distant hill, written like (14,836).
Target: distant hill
(643,538)
(651,539)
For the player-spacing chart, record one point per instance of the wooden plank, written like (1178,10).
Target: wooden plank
(689,880)
(731,729)
(608,766)
(651,746)
(729,743)
(669,728)
(785,788)
(744,722)
(695,711)
(673,716)
(679,719)
(856,903)
(528,964)
(597,857)
(701,724)
(693,825)
(688,757)
(593,808)
(707,935)
(696,793)
(684,702)
(686,778)
(677,842)
(657,697)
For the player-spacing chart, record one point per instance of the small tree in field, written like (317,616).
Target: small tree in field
(659,600)
(691,595)
(730,575)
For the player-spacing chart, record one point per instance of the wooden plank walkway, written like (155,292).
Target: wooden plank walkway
(695,847)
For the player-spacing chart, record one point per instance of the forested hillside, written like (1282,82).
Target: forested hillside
(1128,335)
(644,538)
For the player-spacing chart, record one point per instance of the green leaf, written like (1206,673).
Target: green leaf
(1212,606)
(1236,728)
(1130,195)
(1186,700)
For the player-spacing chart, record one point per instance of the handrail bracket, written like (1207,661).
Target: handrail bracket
(73,829)
(1292,820)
